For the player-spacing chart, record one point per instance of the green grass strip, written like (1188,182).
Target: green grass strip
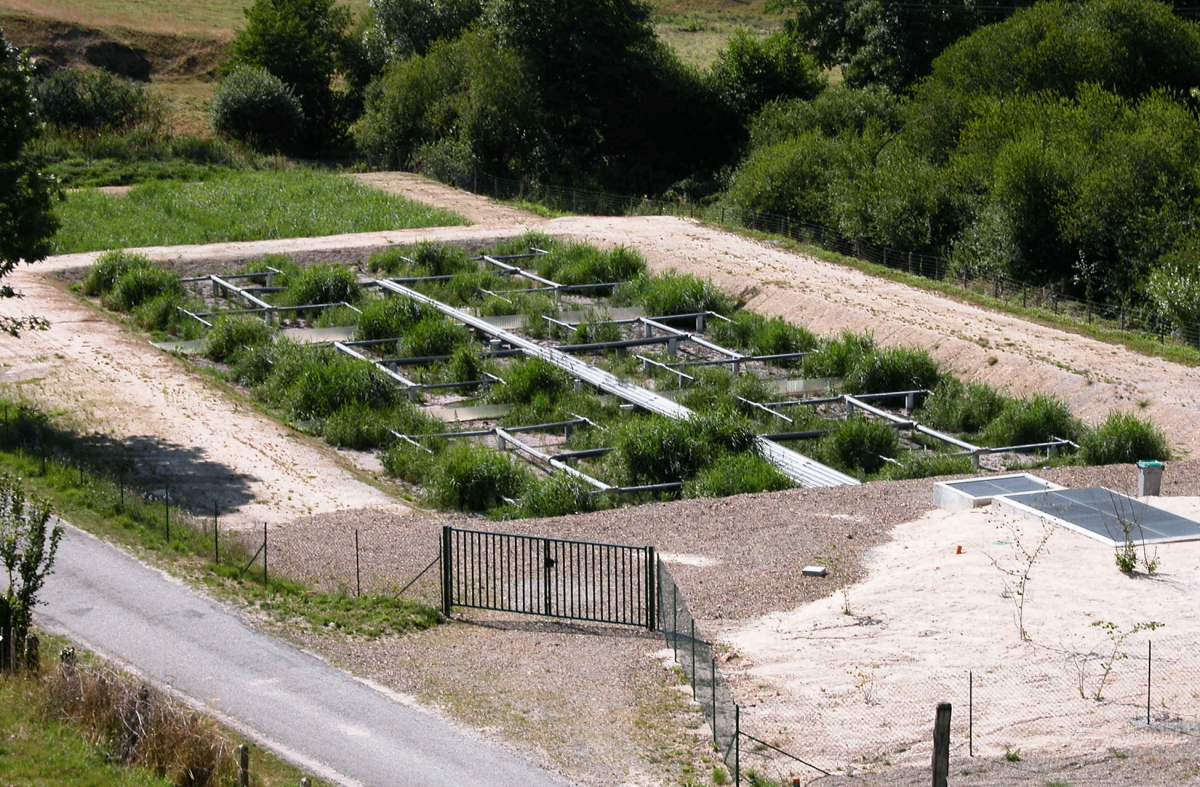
(56,464)
(243,206)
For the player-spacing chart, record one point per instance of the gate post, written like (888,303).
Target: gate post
(447,568)
(651,590)
(547,564)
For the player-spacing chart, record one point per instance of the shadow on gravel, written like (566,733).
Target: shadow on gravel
(564,627)
(145,464)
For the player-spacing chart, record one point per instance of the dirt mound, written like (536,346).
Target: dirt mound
(131,53)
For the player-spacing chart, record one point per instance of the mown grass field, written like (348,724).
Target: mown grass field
(236,207)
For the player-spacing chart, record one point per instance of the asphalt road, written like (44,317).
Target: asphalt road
(339,727)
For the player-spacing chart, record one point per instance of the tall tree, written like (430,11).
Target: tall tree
(301,42)
(27,221)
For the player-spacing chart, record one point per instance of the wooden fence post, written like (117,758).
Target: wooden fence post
(941,745)
(243,776)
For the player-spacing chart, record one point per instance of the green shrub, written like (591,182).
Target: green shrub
(596,331)
(439,259)
(658,450)
(893,369)
(859,443)
(138,285)
(582,263)
(736,474)
(232,333)
(315,383)
(524,244)
(362,426)
(837,357)
(474,478)
(255,364)
(390,318)
(319,284)
(927,467)
(562,494)
(1035,419)
(1123,438)
(256,107)
(434,336)
(466,365)
(405,461)
(761,336)
(967,409)
(161,313)
(94,100)
(675,293)
(711,390)
(108,267)
(528,378)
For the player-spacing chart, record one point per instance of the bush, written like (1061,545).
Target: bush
(762,336)
(674,293)
(751,72)
(161,313)
(434,336)
(466,366)
(363,426)
(561,494)
(94,100)
(736,474)
(140,284)
(257,108)
(1123,439)
(1036,419)
(407,462)
(966,409)
(837,357)
(529,378)
(658,450)
(474,478)
(859,443)
(893,369)
(108,267)
(320,284)
(315,383)
(233,333)
(390,318)
(582,263)
(927,467)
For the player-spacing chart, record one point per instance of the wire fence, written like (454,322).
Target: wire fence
(1126,315)
(1051,704)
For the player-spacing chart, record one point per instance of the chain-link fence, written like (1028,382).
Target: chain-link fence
(698,660)
(1138,317)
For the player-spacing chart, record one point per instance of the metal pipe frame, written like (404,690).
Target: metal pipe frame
(801,469)
(506,436)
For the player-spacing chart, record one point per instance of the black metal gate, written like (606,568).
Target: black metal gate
(579,580)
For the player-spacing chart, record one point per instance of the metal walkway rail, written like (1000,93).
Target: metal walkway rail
(798,467)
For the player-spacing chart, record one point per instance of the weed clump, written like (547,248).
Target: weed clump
(966,409)
(656,450)
(561,494)
(761,336)
(926,467)
(390,318)
(837,357)
(528,379)
(233,333)
(109,267)
(675,293)
(1123,438)
(736,474)
(319,284)
(860,444)
(468,477)
(434,336)
(893,369)
(1036,419)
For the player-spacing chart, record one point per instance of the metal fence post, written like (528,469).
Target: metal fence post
(357,572)
(737,744)
(265,580)
(216,536)
(971,714)
(675,618)
(167,513)
(941,745)
(447,588)
(243,774)
(714,702)
(693,675)
(546,564)
(651,590)
(1149,663)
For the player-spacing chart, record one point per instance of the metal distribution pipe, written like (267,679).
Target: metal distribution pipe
(506,436)
(796,466)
